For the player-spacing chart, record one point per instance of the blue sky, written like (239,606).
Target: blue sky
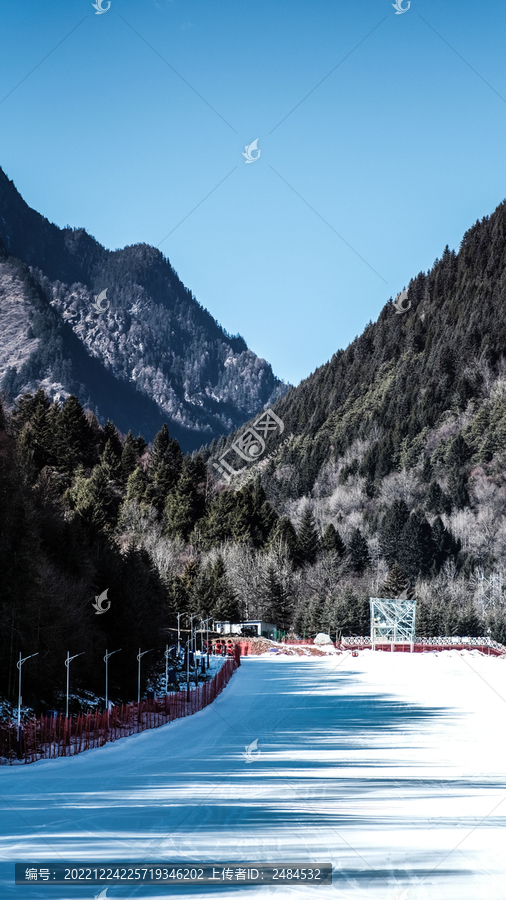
(397,152)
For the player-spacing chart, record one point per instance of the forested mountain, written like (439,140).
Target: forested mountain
(145,353)
(383,474)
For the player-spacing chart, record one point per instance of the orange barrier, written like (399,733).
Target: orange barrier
(44,738)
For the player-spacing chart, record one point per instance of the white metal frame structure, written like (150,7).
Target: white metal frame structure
(392,621)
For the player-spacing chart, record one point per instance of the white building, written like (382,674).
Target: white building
(254,628)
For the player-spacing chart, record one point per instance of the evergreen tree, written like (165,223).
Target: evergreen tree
(395,584)
(358,551)
(93,501)
(129,457)
(277,598)
(458,453)
(416,553)
(184,505)
(225,607)
(285,533)
(110,433)
(165,462)
(457,488)
(436,500)
(110,462)
(392,527)
(75,443)
(307,537)
(444,543)
(332,541)
(136,486)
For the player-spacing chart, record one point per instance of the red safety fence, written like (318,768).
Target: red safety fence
(484,645)
(47,738)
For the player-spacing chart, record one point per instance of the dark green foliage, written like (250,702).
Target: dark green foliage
(457,489)
(136,485)
(392,528)
(129,457)
(436,500)
(395,584)
(458,453)
(332,541)
(444,544)
(307,537)
(358,552)
(165,463)
(416,552)
(225,607)
(185,504)
(110,461)
(284,532)
(277,598)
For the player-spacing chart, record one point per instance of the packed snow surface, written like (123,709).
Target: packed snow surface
(390,766)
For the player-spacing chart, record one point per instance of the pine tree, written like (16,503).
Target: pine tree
(457,489)
(285,533)
(110,433)
(184,505)
(74,439)
(358,551)
(395,584)
(110,462)
(332,541)
(444,543)
(136,486)
(165,462)
(416,552)
(92,500)
(277,598)
(307,537)
(392,526)
(129,457)
(436,500)
(225,606)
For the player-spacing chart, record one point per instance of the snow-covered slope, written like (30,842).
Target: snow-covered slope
(389,765)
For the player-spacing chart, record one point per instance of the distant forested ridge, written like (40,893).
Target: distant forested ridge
(148,353)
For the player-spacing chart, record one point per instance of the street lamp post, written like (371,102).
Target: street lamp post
(139,655)
(188,671)
(179,634)
(18,665)
(166,668)
(191,629)
(106,660)
(206,623)
(67,665)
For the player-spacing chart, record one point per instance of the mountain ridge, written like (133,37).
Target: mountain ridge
(153,333)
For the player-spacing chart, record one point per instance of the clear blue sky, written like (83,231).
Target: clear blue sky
(400,149)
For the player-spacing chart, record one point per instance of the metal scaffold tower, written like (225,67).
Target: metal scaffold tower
(489,589)
(392,621)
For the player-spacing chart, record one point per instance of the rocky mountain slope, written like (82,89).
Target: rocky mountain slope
(145,352)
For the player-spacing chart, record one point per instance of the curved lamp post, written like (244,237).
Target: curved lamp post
(106,659)
(139,655)
(18,666)
(67,664)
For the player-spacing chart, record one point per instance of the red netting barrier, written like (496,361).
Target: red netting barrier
(47,738)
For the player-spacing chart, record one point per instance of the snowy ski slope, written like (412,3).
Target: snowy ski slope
(391,766)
